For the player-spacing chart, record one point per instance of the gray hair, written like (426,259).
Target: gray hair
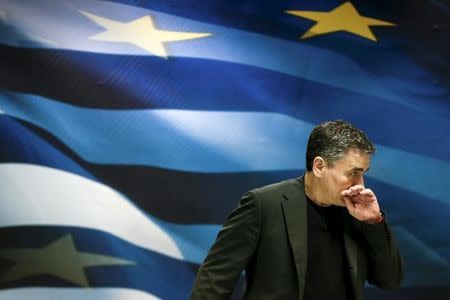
(333,139)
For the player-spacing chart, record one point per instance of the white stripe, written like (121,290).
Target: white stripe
(75,294)
(36,195)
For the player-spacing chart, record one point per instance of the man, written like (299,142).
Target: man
(316,237)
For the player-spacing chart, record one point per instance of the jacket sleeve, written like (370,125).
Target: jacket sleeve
(233,248)
(386,266)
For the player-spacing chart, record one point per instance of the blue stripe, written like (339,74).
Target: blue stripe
(25,146)
(205,141)
(132,82)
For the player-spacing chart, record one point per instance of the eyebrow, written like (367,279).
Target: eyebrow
(359,169)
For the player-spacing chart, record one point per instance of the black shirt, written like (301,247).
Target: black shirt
(327,274)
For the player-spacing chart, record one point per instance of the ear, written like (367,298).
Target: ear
(318,166)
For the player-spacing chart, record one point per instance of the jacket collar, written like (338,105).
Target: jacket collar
(294,209)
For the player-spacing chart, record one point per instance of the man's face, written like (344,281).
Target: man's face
(344,173)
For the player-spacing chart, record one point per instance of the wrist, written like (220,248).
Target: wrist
(379,219)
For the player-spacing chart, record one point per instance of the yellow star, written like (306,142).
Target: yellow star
(141,33)
(59,258)
(343,18)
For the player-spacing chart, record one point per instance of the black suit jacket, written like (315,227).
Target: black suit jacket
(267,236)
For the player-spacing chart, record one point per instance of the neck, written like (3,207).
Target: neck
(312,190)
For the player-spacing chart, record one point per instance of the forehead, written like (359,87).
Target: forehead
(354,159)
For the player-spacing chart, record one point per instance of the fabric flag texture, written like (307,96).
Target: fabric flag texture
(130,129)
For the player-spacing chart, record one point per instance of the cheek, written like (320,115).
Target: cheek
(344,182)
(339,182)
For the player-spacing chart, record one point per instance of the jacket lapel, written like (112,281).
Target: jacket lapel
(294,209)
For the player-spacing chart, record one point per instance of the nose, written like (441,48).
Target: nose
(359,179)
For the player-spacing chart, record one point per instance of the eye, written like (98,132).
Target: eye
(353,173)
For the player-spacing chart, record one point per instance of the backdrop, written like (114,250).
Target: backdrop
(130,129)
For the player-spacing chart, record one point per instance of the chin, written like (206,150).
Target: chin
(340,202)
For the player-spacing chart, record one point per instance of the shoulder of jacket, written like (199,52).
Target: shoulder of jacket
(278,188)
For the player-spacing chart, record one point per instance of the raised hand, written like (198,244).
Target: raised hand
(362,204)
